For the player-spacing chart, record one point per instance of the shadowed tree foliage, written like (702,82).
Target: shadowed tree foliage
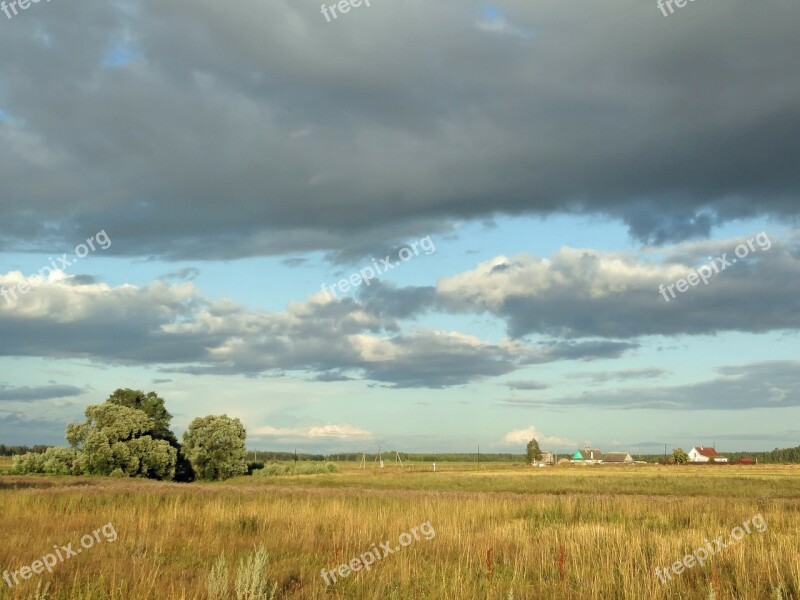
(153,406)
(215,445)
(117,440)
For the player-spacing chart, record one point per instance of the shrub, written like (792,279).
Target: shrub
(218,580)
(305,468)
(55,461)
(251,577)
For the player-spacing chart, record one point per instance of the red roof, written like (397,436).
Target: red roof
(707,452)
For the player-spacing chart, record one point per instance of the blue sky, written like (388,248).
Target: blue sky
(564,163)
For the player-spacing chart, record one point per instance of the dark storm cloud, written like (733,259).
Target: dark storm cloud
(590,350)
(774,384)
(31,394)
(605,376)
(185,274)
(252,128)
(16,428)
(578,293)
(398,302)
(83,279)
(330,376)
(174,327)
(295,261)
(527,385)
(791,435)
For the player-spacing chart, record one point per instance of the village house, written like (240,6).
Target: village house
(618,458)
(587,456)
(548,459)
(702,454)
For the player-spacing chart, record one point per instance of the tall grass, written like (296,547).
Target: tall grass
(289,469)
(495,545)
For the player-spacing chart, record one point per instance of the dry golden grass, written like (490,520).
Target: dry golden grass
(543,533)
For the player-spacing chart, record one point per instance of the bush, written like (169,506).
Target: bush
(304,468)
(218,578)
(251,577)
(251,582)
(55,461)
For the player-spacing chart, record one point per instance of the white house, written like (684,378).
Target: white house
(701,454)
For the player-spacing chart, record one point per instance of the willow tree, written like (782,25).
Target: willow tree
(215,445)
(117,440)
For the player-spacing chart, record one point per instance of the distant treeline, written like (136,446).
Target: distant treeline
(778,455)
(15,450)
(270,456)
(388,456)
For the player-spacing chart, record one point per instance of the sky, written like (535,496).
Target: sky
(426,226)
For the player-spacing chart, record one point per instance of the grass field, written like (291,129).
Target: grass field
(501,531)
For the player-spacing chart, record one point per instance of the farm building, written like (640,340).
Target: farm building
(548,458)
(702,454)
(588,456)
(618,458)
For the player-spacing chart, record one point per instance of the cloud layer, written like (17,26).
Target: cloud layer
(576,305)
(279,133)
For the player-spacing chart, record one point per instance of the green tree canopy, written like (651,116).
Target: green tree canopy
(679,457)
(154,407)
(118,440)
(215,445)
(150,404)
(534,453)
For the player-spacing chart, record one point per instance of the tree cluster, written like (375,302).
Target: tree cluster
(129,435)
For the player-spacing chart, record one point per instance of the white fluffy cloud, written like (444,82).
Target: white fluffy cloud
(330,430)
(523,436)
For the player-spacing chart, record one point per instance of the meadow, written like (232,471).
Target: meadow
(501,531)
